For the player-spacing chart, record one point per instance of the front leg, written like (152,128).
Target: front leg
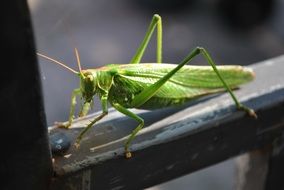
(85,109)
(75,93)
(105,112)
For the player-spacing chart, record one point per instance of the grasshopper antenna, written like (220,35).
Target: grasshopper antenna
(78,59)
(59,63)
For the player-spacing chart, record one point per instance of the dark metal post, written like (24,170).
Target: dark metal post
(25,156)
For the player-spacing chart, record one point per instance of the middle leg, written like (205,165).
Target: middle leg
(105,112)
(126,112)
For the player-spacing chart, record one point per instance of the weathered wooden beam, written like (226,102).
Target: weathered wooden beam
(175,141)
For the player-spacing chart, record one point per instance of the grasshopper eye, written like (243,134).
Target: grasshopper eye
(90,78)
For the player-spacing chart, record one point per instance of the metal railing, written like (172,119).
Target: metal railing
(178,141)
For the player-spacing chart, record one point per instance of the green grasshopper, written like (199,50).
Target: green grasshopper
(152,85)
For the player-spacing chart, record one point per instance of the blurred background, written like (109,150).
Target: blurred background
(234,32)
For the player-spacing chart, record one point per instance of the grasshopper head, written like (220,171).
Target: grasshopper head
(88,85)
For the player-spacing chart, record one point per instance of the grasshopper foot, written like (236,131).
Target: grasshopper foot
(62,125)
(249,111)
(128,154)
(77,143)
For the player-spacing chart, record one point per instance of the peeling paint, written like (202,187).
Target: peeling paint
(194,156)
(269,63)
(117,188)
(170,167)
(211,148)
